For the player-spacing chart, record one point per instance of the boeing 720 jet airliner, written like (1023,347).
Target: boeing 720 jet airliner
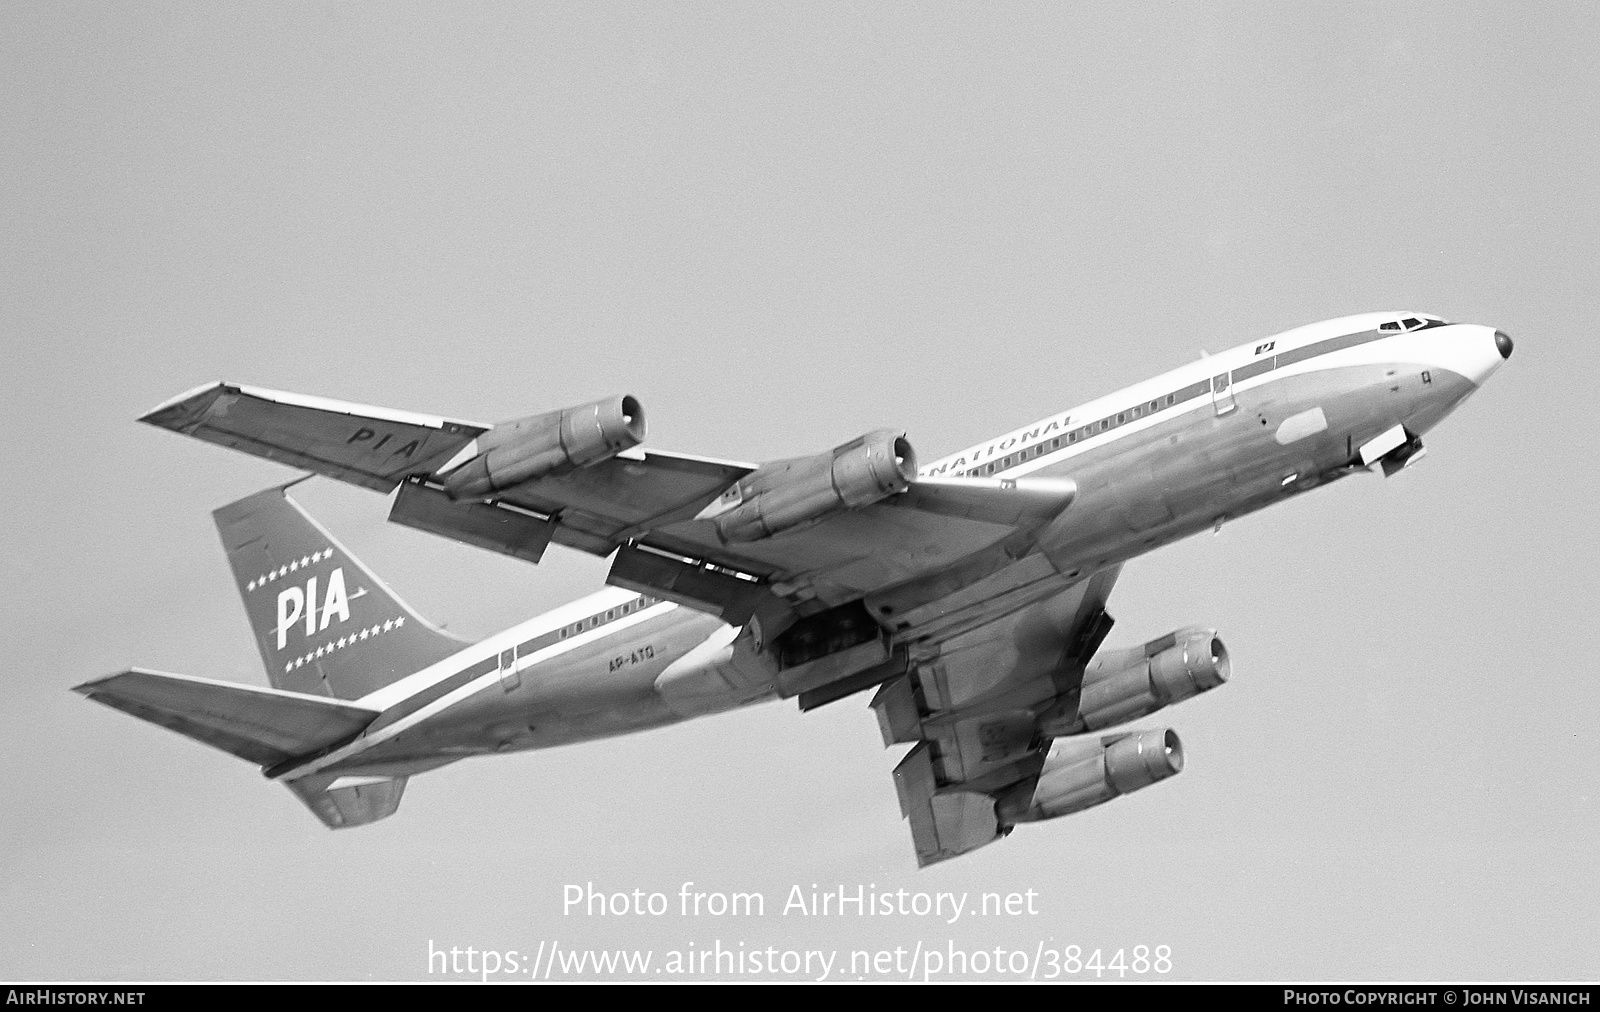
(969,593)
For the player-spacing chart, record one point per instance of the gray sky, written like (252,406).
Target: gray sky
(780,226)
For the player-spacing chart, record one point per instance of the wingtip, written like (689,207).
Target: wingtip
(149,417)
(93,686)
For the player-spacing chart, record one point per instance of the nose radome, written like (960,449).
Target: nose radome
(1502,341)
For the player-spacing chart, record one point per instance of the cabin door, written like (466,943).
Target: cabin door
(1222,395)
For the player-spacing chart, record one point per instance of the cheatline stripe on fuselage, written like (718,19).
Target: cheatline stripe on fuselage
(575,616)
(571,630)
(456,685)
(1141,415)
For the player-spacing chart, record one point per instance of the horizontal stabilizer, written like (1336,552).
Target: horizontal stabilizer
(265,726)
(350,801)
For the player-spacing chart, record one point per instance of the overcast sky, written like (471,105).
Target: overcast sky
(780,226)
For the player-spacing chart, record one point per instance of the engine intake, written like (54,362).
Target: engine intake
(1119,687)
(540,445)
(1082,773)
(787,493)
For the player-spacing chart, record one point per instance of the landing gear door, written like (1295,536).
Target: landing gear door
(1222,395)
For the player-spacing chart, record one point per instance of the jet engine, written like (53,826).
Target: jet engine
(1123,685)
(788,493)
(539,445)
(1081,773)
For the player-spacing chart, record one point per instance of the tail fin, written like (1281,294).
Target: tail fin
(324,623)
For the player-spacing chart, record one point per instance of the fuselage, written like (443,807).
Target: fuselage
(1154,462)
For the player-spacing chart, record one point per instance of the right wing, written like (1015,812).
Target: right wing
(974,709)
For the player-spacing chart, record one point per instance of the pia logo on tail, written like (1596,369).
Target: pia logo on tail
(295,603)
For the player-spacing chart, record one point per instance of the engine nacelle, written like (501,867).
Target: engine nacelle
(788,493)
(1081,773)
(1171,669)
(539,445)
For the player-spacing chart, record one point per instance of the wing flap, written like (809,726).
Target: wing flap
(630,493)
(973,706)
(265,726)
(365,445)
(495,526)
(945,823)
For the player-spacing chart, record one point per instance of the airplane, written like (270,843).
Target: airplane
(969,594)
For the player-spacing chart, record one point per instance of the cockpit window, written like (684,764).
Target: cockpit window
(1411,323)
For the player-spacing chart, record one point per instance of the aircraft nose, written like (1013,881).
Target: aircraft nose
(1502,341)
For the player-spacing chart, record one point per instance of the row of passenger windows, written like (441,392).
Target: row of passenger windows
(509,657)
(611,615)
(1094,428)
(1256,368)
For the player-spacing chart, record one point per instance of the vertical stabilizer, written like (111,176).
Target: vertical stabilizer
(324,623)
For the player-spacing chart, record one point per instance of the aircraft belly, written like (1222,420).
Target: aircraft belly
(1190,472)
